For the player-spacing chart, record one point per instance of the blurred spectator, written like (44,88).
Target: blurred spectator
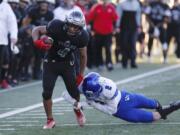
(23,6)
(26,52)
(65,8)
(38,15)
(103,16)
(8,24)
(13,59)
(117,41)
(158,17)
(142,33)
(128,25)
(174,27)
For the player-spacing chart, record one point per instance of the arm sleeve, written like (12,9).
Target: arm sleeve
(138,15)
(119,13)
(12,23)
(114,15)
(52,27)
(91,15)
(103,107)
(83,42)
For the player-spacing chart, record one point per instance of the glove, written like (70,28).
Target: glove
(79,79)
(14,49)
(42,45)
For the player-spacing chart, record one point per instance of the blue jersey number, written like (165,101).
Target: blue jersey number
(108,87)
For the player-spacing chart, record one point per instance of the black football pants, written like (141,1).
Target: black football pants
(51,71)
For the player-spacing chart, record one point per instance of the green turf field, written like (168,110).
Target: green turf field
(21,111)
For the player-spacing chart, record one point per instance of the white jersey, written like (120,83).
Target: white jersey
(108,99)
(8,23)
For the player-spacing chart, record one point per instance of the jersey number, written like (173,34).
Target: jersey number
(63,52)
(108,87)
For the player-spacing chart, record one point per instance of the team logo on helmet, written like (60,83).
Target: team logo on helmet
(74,23)
(91,86)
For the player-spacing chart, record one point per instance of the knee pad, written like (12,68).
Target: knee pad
(46,95)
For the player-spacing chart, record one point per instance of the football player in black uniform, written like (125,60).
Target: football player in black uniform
(158,14)
(174,27)
(63,39)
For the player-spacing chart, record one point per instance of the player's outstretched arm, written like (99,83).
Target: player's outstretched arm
(105,108)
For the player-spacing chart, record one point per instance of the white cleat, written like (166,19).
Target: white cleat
(50,124)
(79,116)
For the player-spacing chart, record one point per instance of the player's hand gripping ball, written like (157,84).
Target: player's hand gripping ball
(47,40)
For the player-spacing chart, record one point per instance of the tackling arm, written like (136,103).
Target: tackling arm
(105,108)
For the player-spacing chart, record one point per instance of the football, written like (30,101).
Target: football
(46,39)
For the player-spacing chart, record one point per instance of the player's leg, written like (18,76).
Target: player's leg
(49,79)
(166,110)
(177,38)
(124,48)
(135,100)
(4,54)
(107,45)
(141,101)
(69,75)
(136,115)
(127,109)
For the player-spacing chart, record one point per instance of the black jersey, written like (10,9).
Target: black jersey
(64,45)
(175,16)
(40,19)
(157,10)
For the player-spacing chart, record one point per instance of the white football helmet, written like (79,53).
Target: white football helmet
(74,23)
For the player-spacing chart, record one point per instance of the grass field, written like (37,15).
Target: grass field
(21,111)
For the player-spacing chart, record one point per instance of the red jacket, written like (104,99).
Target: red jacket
(103,18)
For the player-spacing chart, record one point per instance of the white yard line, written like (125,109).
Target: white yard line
(137,77)
(25,109)
(110,124)
(21,87)
(22,117)
(42,114)
(7,129)
(20,121)
(5,125)
(130,79)
(102,124)
(91,124)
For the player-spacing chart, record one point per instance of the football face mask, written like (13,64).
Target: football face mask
(91,87)
(74,23)
(73,30)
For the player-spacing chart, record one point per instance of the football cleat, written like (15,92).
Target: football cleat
(5,85)
(79,115)
(165,111)
(50,124)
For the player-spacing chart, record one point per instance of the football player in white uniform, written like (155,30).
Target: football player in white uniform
(102,94)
